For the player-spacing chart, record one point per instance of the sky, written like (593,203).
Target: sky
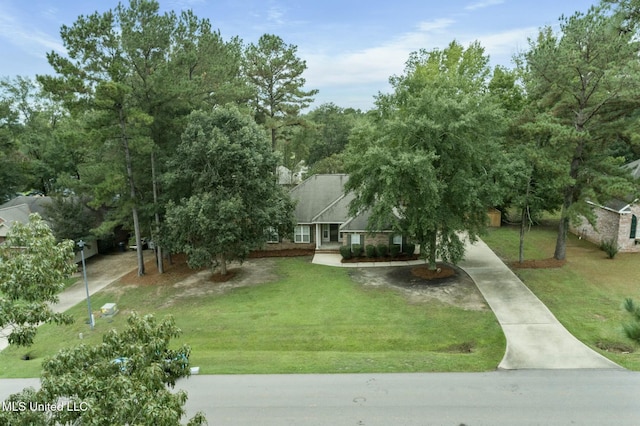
(351,47)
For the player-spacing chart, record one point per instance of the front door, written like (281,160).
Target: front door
(334,232)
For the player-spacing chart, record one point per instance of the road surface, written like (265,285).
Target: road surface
(526,397)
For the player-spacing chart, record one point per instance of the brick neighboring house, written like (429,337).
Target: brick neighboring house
(323,221)
(616,221)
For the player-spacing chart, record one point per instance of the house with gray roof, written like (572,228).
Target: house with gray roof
(10,215)
(616,221)
(18,210)
(323,220)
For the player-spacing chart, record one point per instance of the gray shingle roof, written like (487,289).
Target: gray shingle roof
(10,215)
(36,203)
(318,193)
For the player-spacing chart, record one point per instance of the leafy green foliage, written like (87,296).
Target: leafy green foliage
(124,380)
(33,269)
(226,166)
(432,163)
(275,72)
(370,251)
(409,248)
(632,329)
(345,251)
(70,218)
(610,247)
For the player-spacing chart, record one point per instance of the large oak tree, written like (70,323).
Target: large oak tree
(225,169)
(431,164)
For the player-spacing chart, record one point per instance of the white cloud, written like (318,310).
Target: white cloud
(376,63)
(275,15)
(482,4)
(30,40)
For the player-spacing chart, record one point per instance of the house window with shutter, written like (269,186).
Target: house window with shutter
(634,226)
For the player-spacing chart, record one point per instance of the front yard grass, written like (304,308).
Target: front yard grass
(311,319)
(586,294)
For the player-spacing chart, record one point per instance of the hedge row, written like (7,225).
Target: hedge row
(379,251)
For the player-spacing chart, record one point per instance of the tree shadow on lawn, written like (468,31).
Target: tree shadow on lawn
(450,285)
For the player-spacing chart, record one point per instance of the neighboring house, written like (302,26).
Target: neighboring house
(288,177)
(19,209)
(323,220)
(615,221)
(10,215)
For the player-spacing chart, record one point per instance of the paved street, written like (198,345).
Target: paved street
(526,397)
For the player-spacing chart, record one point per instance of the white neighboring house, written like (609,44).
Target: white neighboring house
(290,177)
(616,221)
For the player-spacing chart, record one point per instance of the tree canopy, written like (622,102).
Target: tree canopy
(275,72)
(227,167)
(584,82)
(33,270)
(431,165)
(127,379)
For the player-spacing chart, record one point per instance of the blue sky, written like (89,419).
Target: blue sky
(351,47)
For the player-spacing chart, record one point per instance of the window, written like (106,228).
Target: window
(397,241)
(272,235)
(355,239)
(325,232)
(634,226)
(302,234)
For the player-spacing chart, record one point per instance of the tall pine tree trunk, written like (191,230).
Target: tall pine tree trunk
(524,217)
(132,187)
(569,196)
(154,180)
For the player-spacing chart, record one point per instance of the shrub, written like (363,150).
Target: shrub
(632,329)
(610,247)
(409,248)
(371,250)
(357,250)
(394,250)
(383,250)
(345,251)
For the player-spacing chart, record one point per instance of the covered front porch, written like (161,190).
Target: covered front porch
(328,236)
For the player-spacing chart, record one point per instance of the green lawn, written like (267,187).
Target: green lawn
(586,294)
(312,319)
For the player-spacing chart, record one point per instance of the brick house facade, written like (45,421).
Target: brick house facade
(617,221)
